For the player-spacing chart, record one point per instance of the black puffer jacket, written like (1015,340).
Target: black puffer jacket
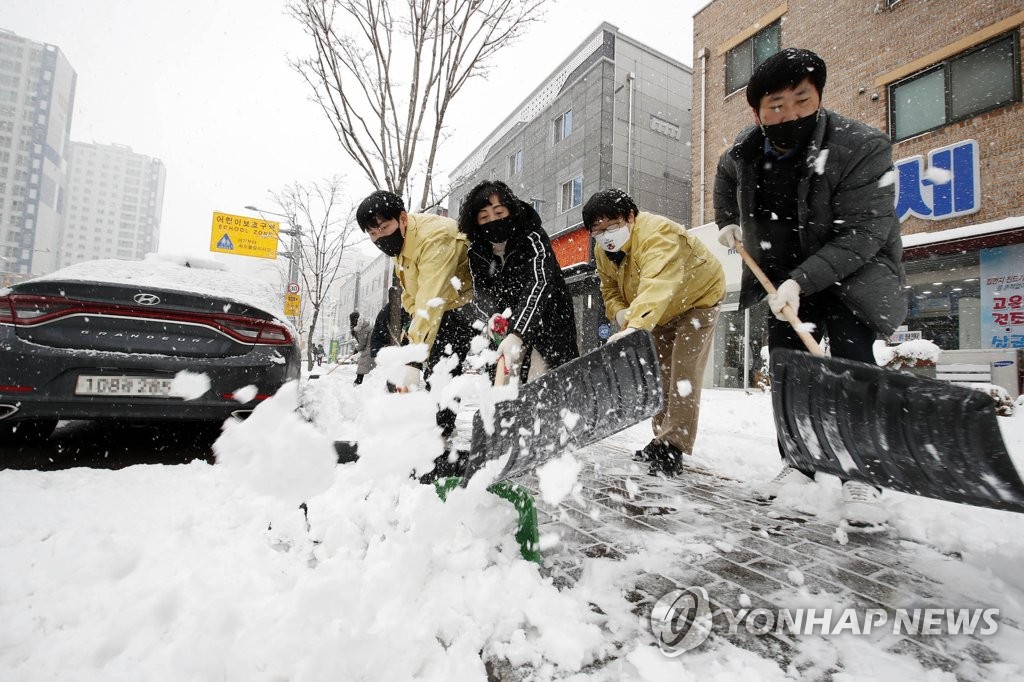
(849,234)
(529,283)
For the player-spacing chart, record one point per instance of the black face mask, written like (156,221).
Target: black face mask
(791,134)
(391,244)
(496,231)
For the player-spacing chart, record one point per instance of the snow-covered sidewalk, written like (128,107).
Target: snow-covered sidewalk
(206,572)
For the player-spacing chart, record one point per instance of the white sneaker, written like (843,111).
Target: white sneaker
(862,506)
(788,476)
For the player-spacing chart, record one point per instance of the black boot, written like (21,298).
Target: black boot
(648,452)
(666,460)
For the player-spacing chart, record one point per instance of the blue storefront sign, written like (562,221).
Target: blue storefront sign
(949,186)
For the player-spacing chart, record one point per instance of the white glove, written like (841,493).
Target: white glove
(511,348)
(788,293)
(729,235)
(620,318)
(410,379)
(618,335)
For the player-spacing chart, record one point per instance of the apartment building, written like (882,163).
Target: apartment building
(37,93)
(114,203)
(943,80)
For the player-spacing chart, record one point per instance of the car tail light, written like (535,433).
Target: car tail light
(21,309)
(255,331)
(30,310)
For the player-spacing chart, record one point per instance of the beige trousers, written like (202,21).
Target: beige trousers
(684,346)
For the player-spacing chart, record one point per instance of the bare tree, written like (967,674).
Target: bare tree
(385,73)
(327,229)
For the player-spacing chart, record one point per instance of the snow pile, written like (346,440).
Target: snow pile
(202,572)
(276,452)
(908,353)
(410,585)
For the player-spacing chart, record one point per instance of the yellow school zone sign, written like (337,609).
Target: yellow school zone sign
(244,236)
(292,304)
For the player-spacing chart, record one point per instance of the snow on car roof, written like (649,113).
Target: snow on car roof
(182,273)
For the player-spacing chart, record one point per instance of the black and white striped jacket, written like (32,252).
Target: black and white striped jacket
(528,282)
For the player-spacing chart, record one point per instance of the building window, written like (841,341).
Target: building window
(515,163)
(979,80)
(536,204)
(572,194)
(741,60)
(563,126)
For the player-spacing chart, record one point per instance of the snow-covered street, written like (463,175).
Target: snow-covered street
(200,572)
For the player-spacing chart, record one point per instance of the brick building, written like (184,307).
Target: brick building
(943,79)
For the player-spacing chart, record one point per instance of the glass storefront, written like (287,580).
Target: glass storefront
(944,295)
(739,338)
(944,304)
(944,300)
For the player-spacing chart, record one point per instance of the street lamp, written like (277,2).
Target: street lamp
(293,253)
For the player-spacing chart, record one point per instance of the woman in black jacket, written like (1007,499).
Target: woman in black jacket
(516,276)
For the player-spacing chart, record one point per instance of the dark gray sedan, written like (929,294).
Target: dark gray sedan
(154,340)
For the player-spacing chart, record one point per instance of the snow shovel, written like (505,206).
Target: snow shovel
(571,406)
(890,429)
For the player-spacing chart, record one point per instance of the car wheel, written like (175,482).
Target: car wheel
(26,430)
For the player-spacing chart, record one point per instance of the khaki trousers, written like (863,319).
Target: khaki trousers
(684,346)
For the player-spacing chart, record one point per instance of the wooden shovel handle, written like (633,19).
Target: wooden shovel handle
(500,378)
(787,311)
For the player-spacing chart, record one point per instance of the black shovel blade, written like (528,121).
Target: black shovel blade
(892,429)
(579,403)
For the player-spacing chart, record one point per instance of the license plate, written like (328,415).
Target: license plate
(143,387)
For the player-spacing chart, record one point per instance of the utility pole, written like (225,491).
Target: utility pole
(294,249)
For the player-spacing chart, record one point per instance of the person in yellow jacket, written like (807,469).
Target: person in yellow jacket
(430,256)
(657,277)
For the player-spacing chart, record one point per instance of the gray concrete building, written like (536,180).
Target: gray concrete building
(366,291)
(114,204)
(614,113)
(37,94)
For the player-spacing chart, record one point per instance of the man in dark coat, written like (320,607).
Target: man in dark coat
(515,274)
(811,195)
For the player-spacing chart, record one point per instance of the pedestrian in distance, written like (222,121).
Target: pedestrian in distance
(430,258)
(361,332)
(318,354)
(515,274)
(810,195)
(657,277)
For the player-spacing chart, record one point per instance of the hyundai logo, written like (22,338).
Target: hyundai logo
(146,299)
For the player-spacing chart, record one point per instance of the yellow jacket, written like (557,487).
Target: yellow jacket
(434,271)
(665,273)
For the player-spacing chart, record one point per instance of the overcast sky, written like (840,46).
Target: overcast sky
(205,86)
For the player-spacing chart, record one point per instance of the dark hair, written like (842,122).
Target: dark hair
(608,203)
(785,69)
(480,197)
(353,317)
(381,205)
